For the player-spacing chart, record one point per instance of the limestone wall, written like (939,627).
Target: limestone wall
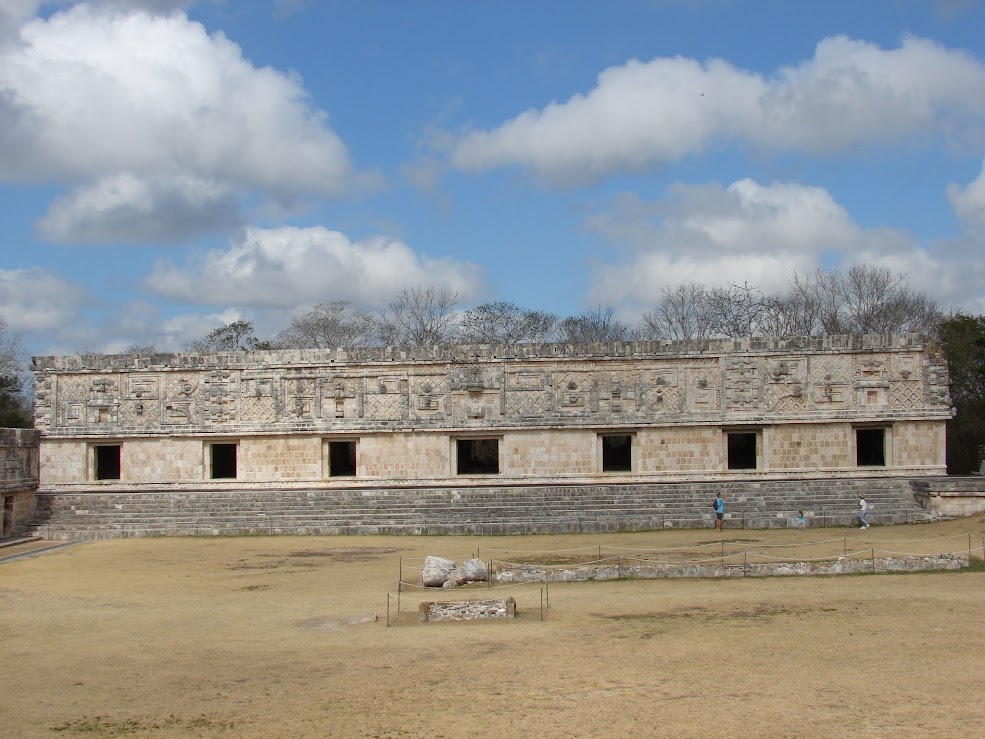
(554,412)
(18,478)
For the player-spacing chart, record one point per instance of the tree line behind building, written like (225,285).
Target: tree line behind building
(861,300)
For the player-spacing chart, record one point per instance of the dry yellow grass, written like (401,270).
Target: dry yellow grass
(248,637)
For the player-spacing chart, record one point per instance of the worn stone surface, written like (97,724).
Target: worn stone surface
(548,409)
(18,479)
(436,571)
(467,610)
(839,566)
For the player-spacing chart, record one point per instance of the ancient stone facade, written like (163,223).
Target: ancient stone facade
(464,415)
(18,478)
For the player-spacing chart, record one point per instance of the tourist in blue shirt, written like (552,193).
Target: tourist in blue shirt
(719,512)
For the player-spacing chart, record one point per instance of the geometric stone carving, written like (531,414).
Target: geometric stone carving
(703,388)
(742,390)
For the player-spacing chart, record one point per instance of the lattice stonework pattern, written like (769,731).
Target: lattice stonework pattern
(575,392)
(529,403)
(389,407)
(257,403)
(72,401)
(906,394)
(659,391)
(140,412)
(784,384)
(429,395)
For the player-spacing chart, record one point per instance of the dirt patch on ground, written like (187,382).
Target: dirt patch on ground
(276,637)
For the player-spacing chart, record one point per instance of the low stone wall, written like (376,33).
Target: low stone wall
(948,497)
(636,571)
(467,610)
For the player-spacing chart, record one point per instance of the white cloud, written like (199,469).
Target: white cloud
(91,94)
(968,203)
(123,208)
(743,233)
(644,114)
(37,300)
(286,267)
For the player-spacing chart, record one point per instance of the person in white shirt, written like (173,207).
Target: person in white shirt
(863,510)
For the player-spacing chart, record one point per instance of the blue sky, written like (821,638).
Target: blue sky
(168,166)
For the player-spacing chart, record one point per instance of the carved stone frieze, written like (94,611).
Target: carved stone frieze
(538,385)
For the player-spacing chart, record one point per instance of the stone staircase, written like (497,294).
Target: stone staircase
(487,510)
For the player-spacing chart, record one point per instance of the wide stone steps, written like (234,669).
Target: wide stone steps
(475,510)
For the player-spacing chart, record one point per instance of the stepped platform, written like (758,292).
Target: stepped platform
(475,510)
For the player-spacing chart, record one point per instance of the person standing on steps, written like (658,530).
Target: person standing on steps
(863,511)
(719,512)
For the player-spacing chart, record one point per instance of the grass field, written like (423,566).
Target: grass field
(268,637)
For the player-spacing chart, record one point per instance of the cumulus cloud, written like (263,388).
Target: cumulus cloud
(968,202)
(37,300)
(746,232)
(123,208)
(286,267)
(93,93)
(644,114)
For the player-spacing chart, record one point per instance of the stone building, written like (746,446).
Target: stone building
(458,416)
(19,480)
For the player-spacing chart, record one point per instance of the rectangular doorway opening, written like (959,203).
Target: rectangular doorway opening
(341,458)
(870,447)
(223,461)
(478,456)
(742,450)
(8,515)
(106,462)
(617,453)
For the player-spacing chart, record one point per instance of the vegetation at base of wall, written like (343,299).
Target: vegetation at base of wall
(962,339)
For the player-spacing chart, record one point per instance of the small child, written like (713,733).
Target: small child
(801,524)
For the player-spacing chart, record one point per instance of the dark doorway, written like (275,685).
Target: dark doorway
(107,461)
(223,461)
(870,447)
(478,456)
(8,515)
(742,450)
(341,458)
(617,453)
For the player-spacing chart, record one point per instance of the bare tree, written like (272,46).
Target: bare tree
(506,323)
(736,310)
(682,313)
(594,326)
(15,405)
(140,349)
(865,299)
(233,337)
(421,316)
(332,325)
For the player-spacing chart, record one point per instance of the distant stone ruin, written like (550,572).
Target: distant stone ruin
(306,436)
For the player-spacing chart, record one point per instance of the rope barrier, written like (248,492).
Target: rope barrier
(461,589)
(470,555)
(542,551)
(563,566)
